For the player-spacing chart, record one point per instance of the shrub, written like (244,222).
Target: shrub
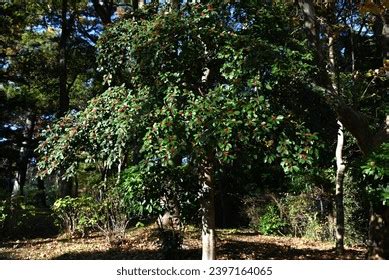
(21,220)
(113,218)
(271,222)
(305,218)
(254,207)
(76,215)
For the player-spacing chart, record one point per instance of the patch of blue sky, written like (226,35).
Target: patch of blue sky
(12,127)
(48,117)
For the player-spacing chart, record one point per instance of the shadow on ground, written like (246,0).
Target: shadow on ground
(238,250)
(119,254)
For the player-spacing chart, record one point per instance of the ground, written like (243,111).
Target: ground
(142,243)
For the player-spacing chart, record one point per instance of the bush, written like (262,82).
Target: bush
(76,215)
(271,222)
(113,218)
(305,218)
(254,207)
(81,214)
(21,220)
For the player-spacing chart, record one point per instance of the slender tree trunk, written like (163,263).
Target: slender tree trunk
(63,89)
(379,218)
(135,5)
(223,208)
(64,186)
(385,42)
(378,233)
(340,173)
(340,166)
(25,152)
(208,216)
(41,196)
(75,187)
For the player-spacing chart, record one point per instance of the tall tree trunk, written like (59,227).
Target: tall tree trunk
(63,88)
(41,195)
(25,153)
(64,186)
(340,173)
(379,216)
(208,216)
(340,166)
(385,42)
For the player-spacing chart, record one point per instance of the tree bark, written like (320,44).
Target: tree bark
(385,43)
(340,165)
(25,152)
(104,11)
(41,195)
(64,186)
(63,89)
(208,216)
(340,173)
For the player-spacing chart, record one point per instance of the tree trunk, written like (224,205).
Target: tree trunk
(24,155)
(104,11)
(175,4)
(75,187)
(340,173)
(340,166)
(63,89)
(41,195)
(208,216)
(385,43)
(64,186)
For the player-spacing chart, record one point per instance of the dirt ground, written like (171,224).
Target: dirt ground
(143,244)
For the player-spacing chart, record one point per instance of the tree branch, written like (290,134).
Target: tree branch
(104,12)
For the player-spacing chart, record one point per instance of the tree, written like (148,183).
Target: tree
(36,77)
(173,112)
(356,122)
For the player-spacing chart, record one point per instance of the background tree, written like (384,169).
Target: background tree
(336,17)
